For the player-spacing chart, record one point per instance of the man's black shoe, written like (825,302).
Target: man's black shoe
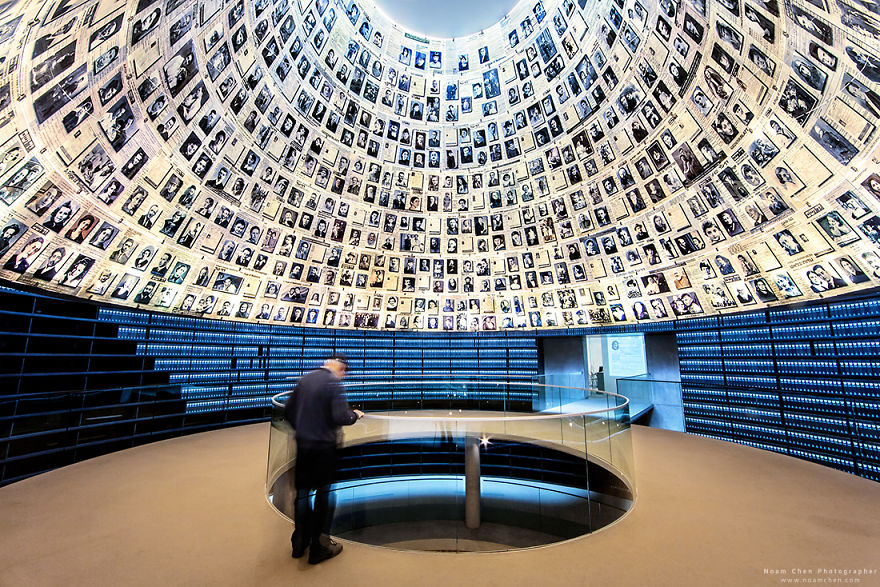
(322,549)
(299,544)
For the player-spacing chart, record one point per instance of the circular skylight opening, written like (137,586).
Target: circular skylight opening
(445,18)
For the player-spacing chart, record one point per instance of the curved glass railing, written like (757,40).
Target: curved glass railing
(537,463)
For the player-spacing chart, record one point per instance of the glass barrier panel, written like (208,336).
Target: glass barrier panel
(551,463)
(640,392)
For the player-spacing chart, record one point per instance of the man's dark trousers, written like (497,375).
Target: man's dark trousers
(315,471)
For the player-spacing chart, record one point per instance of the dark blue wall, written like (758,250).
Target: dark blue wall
(803,381)
(167,375)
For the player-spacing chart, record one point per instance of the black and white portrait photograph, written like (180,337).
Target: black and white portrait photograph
(797,102)
(104,31)
(181,68)
(61,94)
(118,124)
(832,141)
(837,229)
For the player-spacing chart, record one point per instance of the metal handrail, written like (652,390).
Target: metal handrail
(535,416)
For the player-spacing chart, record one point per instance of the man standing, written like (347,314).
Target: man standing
(316,410)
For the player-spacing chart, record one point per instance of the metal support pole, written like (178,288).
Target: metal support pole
(472,482)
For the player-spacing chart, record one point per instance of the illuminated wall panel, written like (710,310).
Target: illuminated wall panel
(801,381)
(762,378)
(79,380)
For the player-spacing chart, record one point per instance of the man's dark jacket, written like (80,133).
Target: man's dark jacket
(317,408)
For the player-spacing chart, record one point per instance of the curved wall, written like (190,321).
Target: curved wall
(80,380)
(578,163)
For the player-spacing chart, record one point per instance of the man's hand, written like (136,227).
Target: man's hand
(359,413)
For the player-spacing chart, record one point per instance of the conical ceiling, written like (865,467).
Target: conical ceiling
(313,163)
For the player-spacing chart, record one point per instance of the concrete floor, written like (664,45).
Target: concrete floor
(191,511)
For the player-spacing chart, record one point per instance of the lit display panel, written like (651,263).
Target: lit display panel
(800,381)
(80,380)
